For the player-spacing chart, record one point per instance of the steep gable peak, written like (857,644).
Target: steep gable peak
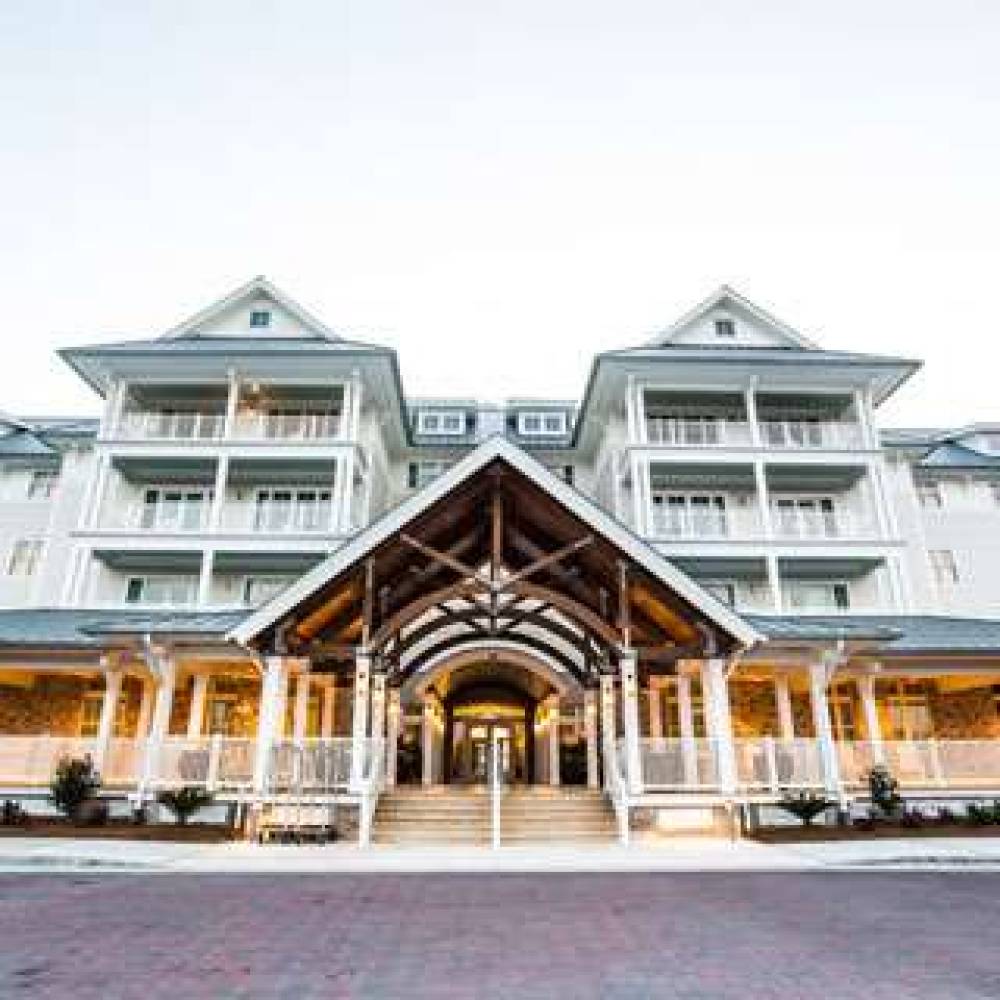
(257,309)
(728,319)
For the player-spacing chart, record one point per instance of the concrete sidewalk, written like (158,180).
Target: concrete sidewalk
(689,854)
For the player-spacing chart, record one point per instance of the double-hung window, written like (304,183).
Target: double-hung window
(169,509)
(293,510)
(944,567)
(541,424)
(442,422)
(929,496)
(24,557)
(42,484)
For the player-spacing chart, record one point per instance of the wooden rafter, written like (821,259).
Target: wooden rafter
(544,562)
(444,558)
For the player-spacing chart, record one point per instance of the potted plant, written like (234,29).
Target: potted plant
(185,802)
(74,785)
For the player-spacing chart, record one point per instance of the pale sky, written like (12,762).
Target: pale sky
(499,190)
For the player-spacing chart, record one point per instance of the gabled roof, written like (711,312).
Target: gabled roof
(727,297)
(256,288)
(956,456)
(490,451)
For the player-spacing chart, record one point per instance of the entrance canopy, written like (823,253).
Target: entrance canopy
(496,550)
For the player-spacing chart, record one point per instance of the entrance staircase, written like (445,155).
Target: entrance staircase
(450,815)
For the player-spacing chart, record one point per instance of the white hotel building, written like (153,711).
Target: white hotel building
(711,580)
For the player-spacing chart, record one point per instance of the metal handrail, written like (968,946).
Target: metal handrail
(496,788)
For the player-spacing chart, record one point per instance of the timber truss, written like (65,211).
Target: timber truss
(497,560)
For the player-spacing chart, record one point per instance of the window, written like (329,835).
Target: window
(842,714)
(725,328)
(168,591)
(420,474)
(908,712)
(944,567)
(807,595)
(42,484)
(805,517)
(541,424)
(260,318)
(24,557)
(672,714)
(279,510)
(173,509)
(929,495)
(995,493)
(441,422)
(686,515)
(258,590)
(723,592)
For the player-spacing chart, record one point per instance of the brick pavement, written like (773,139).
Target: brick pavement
(628,936)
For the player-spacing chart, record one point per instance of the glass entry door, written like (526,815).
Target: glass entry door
(481,739)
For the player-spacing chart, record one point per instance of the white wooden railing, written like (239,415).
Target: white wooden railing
(617,786)
(950,764)
(697,431)
(152,425)
(286,427)
(830,434)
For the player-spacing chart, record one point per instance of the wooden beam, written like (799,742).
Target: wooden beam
(574,610)
(442,557)
(496,535)
(368,611)
(550,560)
(417,607)
(624,604)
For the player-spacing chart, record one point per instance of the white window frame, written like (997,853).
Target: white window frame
(944,567)
(929,496)
(791,587)
(542,423)
(271,584)
(266,313)
(677,514)
(185,594)
(42,484)
(428,469)
(725,327)
(168,513)
(24,557)
(309,509)
(445,423)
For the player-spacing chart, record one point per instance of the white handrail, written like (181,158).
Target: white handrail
(370,790)
(617,786)
(496,784)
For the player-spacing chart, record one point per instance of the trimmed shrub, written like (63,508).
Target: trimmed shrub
(805,806)
(185,802)
(76,780)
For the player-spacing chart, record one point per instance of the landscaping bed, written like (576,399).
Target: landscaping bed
(192,833)
(880,831)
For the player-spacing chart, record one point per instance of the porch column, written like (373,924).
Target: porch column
(378,705)
(718,721)
(327,715)
(590,731)
(145,709)
(783,701)
(873,727)
(427,742)
(628,666)
(300,720)
(655,699)
(109,708)
(273,692)
(196,713)
(393,719)
(685,721)
(608,725)
(159,728)
(818,680)
(554,741)
(359,717)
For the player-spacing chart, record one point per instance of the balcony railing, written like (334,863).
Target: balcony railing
(151,425)
(677,521)
(924,763)
(287,427)
(168,518)
(700,432)
(279,518)
(799,523)
(814,434)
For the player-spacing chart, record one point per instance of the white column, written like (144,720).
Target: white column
(378,705)
(359,717)
(145,709)
(205,577)
(628,666)
(873,727)
(109,708)
(159,727)
(763,499)
(232,403)
(774,581)
(273,693)
(427,741)
(393,719)
(554,741)
(196,713)
(685,721)
(824,730)
(327,715)
(301,718)
(750,402)
(608,724)
(783,700)
(590,731)
(219,493)
(96,497)
(718,721)
(655,699)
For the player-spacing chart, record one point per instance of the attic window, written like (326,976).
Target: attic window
(725,328)
(537,424)
(260,318)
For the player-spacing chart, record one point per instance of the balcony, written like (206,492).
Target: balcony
(297,514)
(698,432)
(819,435)
(830,525)
(151,425)
(721,520)
(256,426)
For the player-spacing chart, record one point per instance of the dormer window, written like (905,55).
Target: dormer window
(260,319)
(725,328)
(440,422)
(541,424)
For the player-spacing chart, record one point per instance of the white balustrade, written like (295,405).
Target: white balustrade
(32,760)
(765,763)
(287,427)
(272,517)
(314,765)
(679,764)
(150,425)
(811,434)
(698,432)
(795,522)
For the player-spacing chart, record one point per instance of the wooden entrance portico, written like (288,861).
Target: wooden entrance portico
(496,554)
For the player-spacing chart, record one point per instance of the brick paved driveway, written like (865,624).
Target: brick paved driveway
(686,935)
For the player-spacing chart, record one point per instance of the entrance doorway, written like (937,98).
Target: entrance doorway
(473,730)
